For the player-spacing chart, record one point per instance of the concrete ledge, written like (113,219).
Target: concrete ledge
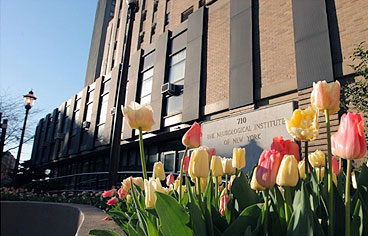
(25,218)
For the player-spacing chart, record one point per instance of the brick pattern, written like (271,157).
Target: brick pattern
(177,7)
(218,52)
(276,41)
(321,142)
(352,20)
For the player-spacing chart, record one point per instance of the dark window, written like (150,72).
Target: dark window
(155,5)
(185,14)
(167,18)
(169,161)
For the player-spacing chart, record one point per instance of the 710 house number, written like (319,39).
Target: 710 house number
(242,120)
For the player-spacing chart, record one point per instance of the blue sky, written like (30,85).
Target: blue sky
(44,46)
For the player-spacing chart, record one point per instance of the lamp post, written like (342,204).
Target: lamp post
(118,116)
(28,101)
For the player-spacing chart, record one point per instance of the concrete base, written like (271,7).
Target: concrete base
(57,219)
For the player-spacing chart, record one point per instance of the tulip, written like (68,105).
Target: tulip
(211,152)
(334,179)
(113,201)
(317,159)
(107,218)
(219,179)
(216,166)
(109,193)
(238,161)
(223,203)
(288,172)
(320,172)
(139,116)
(128,198)
(150,198)
(170,179)
(159,171)
(268,166)
(227,166)
(301,167)
(192,137)
(204,182)
(176,185)
(198,165)
(231,182)
(186,164)
(326,96)
(285,147)
(335,166)
(122,192)
(254,184)
(349,141)
(303,125)
(139,182)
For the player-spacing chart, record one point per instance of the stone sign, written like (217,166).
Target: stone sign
(253,130)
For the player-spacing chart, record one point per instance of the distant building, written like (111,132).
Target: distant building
(7,164)
(238,67)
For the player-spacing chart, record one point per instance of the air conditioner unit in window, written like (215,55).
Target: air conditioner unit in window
(169,89)
(86,124)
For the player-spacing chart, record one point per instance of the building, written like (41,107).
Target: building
(7,165)
(238,67)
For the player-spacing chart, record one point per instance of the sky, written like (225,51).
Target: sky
(44,46)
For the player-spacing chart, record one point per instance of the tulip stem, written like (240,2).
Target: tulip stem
(286,203)
(265,219)
(226,179)
(330,183)
(198,183)
(347,199)
(216,191)
(181,174)
(306,163)
(143,159)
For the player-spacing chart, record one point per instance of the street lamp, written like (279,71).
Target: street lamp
(121,88)
(29,100)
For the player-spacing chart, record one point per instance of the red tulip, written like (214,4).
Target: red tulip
(286,147)
(268,166)
(223,203)
(185,165)
(192,137)
(107,218)
(170,179)
(335,166)
(113,201)
(109,193)
(122,193)
(349,141)
(211,152)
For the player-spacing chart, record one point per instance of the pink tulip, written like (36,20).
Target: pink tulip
(185,165)
(170,179)
(268,166)
(109,193)
(286,147)
(113,201)
(107,218)
(326,96)
(223,203)
(192,137)
(122,192)
(335,166)
(211,152)
(349,141)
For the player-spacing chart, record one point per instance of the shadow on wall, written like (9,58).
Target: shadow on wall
(253,151)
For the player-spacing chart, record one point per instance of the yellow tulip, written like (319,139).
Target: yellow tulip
(139,116)
(320,172)
(326,96)
(159,171)
(219,179)
(139,182)
(198,165)
(302,169)
(317,159)
(254,183)
(216,166)
(288,171)
(176,185)
(204,182)
(334,179)
(150,198)
(128,198)
(303,125)
(238,158)
(227,166)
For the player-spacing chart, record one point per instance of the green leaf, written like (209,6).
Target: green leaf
(102,232)
(197,219)
(248,217)
(244,195)
(172,216)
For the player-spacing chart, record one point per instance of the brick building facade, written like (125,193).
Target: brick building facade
(223,58)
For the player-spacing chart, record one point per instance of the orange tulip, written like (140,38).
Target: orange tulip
(285,147)
(326,96)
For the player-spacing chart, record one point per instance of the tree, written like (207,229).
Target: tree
(12,108)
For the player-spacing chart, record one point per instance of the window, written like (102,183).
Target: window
(185,14)
(169,161)
(103,109)
(174,104)
(76,117)
(167,18)
(146,87)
